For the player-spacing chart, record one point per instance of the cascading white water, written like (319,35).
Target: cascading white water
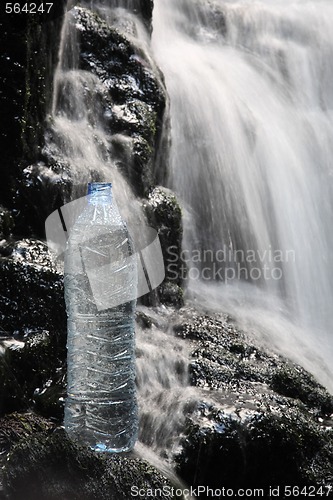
(79,135)
(162,377)
(251,159)
(251,132)
(80,139)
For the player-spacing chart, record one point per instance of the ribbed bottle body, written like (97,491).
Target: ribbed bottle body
(100,289)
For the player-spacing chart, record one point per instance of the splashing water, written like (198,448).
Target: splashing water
(251,159)
(251,146)
(162,376)
(81,139)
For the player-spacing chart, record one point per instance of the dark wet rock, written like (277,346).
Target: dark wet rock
(49,398)
(117,62)
(171,294)
(224,358)
(205,328)
(33,324)
(12,396)
(46,466)
(270,446)
(143,320)
(32,373)
(134,158)
(6,222)
(31,289)
(164,214)
(42,187)
(28,363)
(16,426)
(125,95)
(133,97)
(28,57)
(293,381)
(135,117)
(130,101)
(145,10)
(260,425)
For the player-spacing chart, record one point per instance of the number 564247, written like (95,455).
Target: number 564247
(28,8)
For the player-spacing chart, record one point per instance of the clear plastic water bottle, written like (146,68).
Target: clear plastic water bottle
(100,291)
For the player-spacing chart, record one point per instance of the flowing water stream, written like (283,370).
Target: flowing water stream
(251,161)
(80,138)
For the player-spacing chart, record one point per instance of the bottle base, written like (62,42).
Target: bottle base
(103,448)
(102,444)
(110,427)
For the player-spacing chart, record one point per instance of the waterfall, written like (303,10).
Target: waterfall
(251,161)
(80,137)
(80,140)
(162,377)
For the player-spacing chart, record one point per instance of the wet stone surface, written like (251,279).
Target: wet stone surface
(264,420)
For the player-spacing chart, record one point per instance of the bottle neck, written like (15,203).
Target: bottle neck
(100,193)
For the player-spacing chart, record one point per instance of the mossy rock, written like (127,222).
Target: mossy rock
(31,289)
(134,157)
(49,397)
(32,312)
(42,188)
(270,447)
(6,222)
(222,357)
(263,429)
(33,375)
(164,214)
(16,426)
(36,177)
(122,66)
(134,96)
(171,294)
(293,381)
(209,328)
(143,320)
(135,118)
(50,466)
(28,60)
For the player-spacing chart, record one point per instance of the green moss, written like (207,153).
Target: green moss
(16,426)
